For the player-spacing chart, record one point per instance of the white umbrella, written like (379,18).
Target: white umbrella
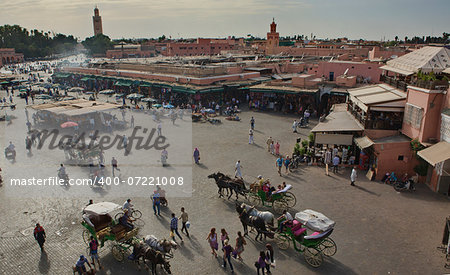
(149,99)
(134,96)
(76,89)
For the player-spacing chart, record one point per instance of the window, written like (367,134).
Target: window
(400,157)
(413,115)
(370,68)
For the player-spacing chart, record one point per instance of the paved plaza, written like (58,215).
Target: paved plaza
(378,231)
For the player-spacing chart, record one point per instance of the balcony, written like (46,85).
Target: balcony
(441,85)
(401,85)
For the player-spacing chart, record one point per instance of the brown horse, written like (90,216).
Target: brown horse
(150,257)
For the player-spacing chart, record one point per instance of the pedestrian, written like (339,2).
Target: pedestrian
(39,235)
(237,170)
(93,252)
(114,165)
(353,176)
(223,236)
(240,242)
(261,263)
(279,164)
(268,142)
(250,137)
(287,161)
(79,266)
(156,201)
(212,239)
(277,149)
(327,160)
(252,123)
(159,128)
(132,121)
(184,221)
(294,126)
(125,142)
(336,161)
(272,148)
(227,249)
(174,228)
(269,257)
(196,155)
(28,144)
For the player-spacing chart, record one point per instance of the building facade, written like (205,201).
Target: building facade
(9,56)
(97,21)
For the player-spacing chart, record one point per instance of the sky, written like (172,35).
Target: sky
(355,19)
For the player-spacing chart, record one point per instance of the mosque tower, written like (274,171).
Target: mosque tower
(273,38)
(97,19)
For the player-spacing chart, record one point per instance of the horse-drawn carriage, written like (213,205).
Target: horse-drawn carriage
(279,200)
(313,245)
(98,222)
(82,155)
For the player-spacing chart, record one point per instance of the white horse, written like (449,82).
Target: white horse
(265,215)
(164,246)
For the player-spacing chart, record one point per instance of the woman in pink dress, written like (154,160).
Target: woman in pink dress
(277,149)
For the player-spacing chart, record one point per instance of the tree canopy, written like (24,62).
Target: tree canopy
(98,45)
(34,43)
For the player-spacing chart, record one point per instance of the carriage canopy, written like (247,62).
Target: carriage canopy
(101,208)
(314,220)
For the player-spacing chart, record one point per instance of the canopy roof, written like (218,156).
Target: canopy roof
(338,122)
(101,208)
(367,96)
(74,107)
(427,59)
(436,153)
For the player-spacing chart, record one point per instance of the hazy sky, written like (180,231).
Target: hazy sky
(220,18)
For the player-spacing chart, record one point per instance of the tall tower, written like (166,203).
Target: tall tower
(273,38)
(97,19)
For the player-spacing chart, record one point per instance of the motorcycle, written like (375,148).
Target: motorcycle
(64,177)
(407,184)
(390,178)
(10,154)
(404,186)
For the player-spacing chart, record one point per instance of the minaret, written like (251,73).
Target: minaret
(273,38)
(97,19)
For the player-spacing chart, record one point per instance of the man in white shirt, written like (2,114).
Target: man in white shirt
(237,170)
(250,136)
(127,206)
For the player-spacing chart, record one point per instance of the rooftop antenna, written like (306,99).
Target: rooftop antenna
(346,71)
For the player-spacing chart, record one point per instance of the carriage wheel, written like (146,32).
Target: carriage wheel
(118,253)
(254,199)
(313,256)
(279,206)
(283,242)
(118,216)
(328,247)
(290,199)
(136,214)
(86,236)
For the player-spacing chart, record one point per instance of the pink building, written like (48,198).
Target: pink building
(383,54)
(9,56)
(371,72)
(203,46)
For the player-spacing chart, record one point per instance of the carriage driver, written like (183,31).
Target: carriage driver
(287,220)
(126,221)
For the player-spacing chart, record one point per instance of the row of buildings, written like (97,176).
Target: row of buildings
(402,124)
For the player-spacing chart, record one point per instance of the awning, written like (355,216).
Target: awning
(363,142)
(436,153)
(338,121)
(333,139)
(396,70)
